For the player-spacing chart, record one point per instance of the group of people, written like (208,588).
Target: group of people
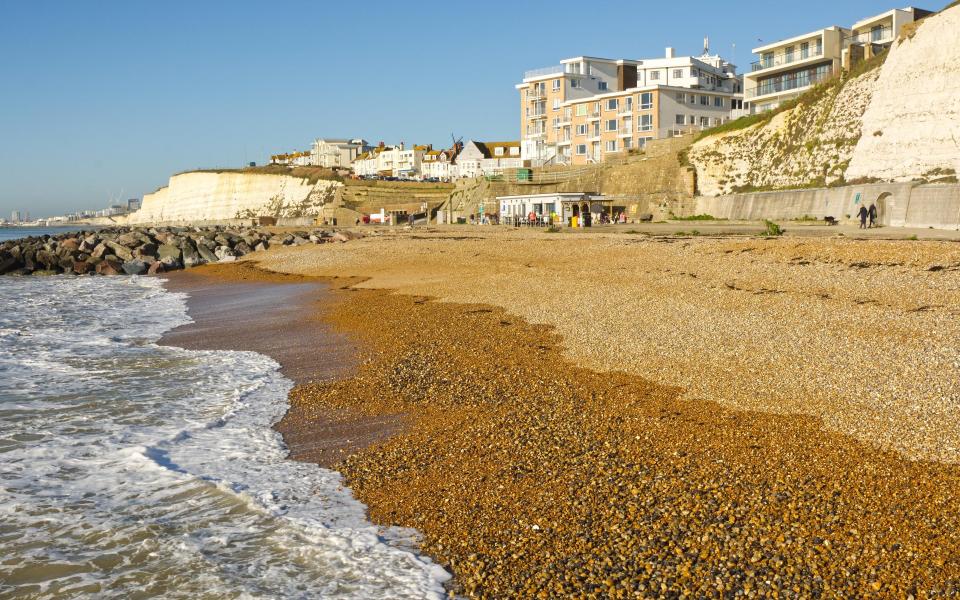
(866,213)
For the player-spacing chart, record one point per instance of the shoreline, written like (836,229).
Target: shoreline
(515,465)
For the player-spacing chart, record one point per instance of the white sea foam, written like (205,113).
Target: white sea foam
(127,467)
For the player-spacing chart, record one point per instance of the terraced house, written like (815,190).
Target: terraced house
(587,109)
(787,68)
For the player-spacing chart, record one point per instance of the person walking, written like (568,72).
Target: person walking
(873,215)
(863,216)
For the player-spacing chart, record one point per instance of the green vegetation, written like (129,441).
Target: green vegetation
(703,217)
(773,230)
(553,229)
(806,219)
(914,237)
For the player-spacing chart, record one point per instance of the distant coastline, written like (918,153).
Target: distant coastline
(14,232)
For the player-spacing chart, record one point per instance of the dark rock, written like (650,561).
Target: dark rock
(120,250)
(169,252)
(81,267)
(109,266)
(148,249)
(134,267)
(190,256)
(206,254)
(8,264)
(242,249)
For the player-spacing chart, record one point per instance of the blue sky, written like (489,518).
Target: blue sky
(100,100)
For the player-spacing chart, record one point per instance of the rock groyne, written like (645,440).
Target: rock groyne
(140,251)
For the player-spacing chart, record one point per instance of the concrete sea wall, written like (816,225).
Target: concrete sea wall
(899,204)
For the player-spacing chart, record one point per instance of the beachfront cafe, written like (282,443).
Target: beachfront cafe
(573,209)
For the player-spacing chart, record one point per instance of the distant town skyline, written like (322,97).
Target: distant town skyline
(104,103)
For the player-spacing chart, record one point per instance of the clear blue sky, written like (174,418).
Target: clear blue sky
(99,99)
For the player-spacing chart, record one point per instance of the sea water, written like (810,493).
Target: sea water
(132,470)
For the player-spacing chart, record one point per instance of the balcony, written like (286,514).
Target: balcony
(793,83)
(625,131)
(542,114)
(880,35)
(536,134)
(626,109)
(594,116)
(543,72)
(785,58)
(536,94)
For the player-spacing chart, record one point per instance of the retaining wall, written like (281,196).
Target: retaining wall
(898,204)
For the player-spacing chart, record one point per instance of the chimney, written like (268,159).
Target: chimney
(670,52)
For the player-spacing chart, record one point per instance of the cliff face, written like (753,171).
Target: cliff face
(809,145)
(211,196)
(911,130)
(898,121)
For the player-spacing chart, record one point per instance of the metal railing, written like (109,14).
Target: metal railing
(552,70)
(785,84)
(785,58)
(874,36)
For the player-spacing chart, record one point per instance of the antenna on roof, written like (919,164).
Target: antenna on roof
(706,46)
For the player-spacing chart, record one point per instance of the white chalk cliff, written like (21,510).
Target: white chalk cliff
(911,129)
(212,196)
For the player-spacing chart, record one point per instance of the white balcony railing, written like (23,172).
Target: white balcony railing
(880,35)
(797,81)
(542,72)
(785,58)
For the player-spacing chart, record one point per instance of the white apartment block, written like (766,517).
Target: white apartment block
(786,69)
(487,158)
(391,161)
(589,108)
(333,153)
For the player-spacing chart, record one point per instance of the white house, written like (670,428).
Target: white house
(331,153)
(488,158)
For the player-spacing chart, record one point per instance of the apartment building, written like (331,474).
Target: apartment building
(332,153)
(391,161)
(589,108)
(786,69)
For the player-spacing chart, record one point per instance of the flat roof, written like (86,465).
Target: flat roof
(798,38)
(882,15)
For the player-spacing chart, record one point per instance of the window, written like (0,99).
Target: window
(556,85)
(678,73)
(718,102)
(767,60)
(681,119)
(611,146)
(611,125)
(574,83)
(556,104)
(788,54)
(581,149)
(681,97)
(819,46)
(514,151)
(627,143)
(804,50)
(704,121)
(692,98)
(582,129)
(646,101)
(602,86)
(705,100)
(612,104)
(654,75)
(581,110)
(694,73)
(641,142)
(646,122)
(693,119)
(556,122)
(498,151)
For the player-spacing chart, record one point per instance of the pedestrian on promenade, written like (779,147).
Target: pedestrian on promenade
(873,215)
(863,216)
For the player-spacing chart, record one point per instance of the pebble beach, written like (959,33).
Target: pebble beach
(631,416)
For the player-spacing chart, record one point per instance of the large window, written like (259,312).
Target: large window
(582,129)
(704,122)
(681,119)
(654,75)
(681,97)
(602,86)
(705,100)
(646,122)
(556,85)
(611,146)
(646,101)
(581,149)
(804,50)
(556,104)
(581,110)
(718,101)
(574,83)
(612,104)
(611,124)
